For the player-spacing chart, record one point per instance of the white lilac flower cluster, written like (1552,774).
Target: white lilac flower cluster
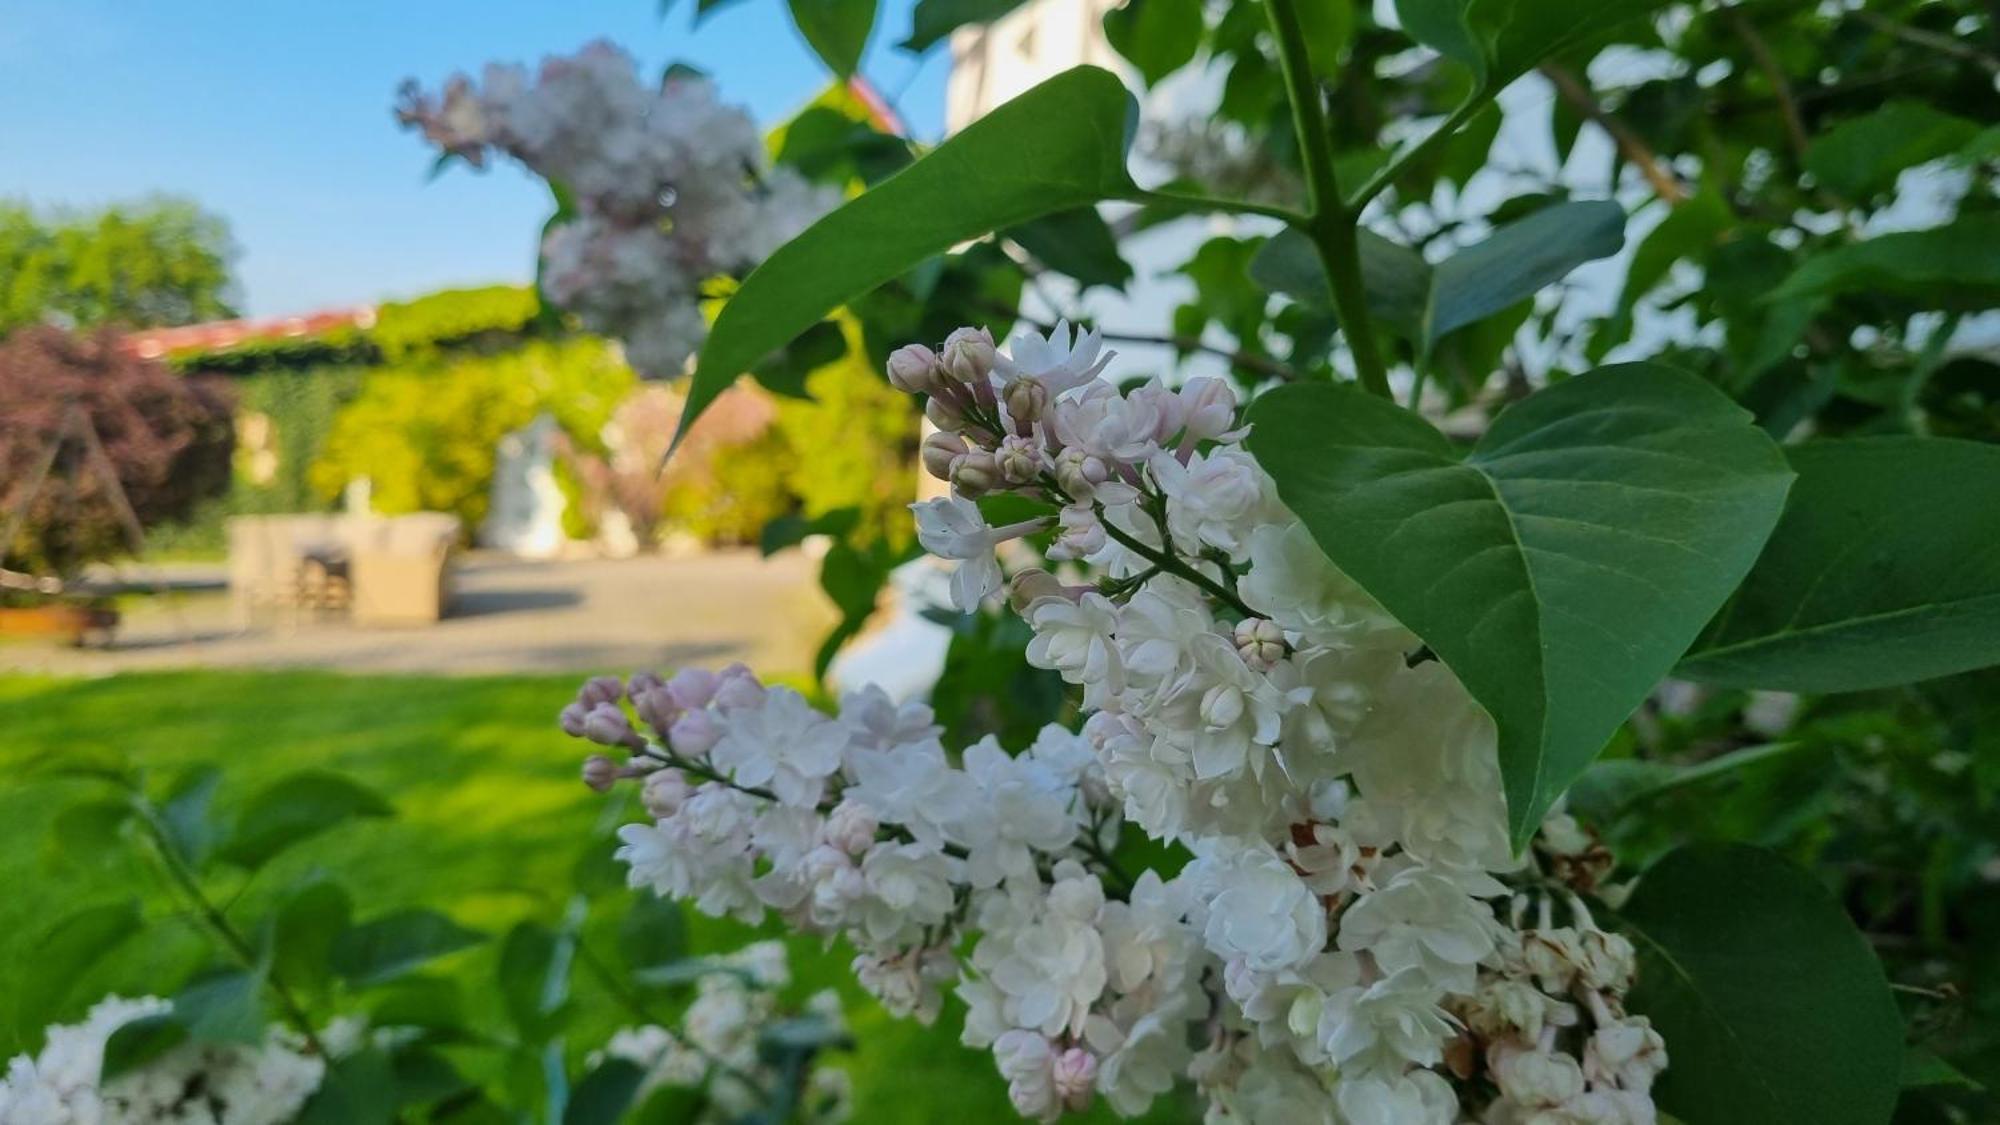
(1353,940)
(265,1083)
(670,186)
(717,1046)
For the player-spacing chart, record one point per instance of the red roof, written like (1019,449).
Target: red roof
(218,334)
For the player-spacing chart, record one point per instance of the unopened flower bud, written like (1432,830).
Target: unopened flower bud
(975,474)
(1209,407)
(913,369)
(572,719)
(737,687)
(1031,586)
(601,689)
(600,773)
(941,451)
(944,415)
(851,827)
(656,707)
(1019,459)
(1221,707)
(969,355)
(693,688)
(664,792)
(1260,642)
(1552,956)
(1025,398)
(1075,1074)
(1080,473)
(606,725)
(694,734)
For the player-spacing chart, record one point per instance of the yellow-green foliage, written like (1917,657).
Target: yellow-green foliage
(426,434)
(745,489)
(406,329)
(854,444)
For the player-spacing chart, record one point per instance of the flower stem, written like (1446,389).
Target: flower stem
(1329,222)
(225,931)
(1172,564)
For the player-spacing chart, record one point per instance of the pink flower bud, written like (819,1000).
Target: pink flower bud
(693,688)
(944,415)
(665,792)
(1019,460)
(694,734)
(571,719)
(1075,1074)
(656,708)
(940,451)
(913,369)
(600,773)
(1025,398)
(1210,407)
(975,474)
(738,687)
(606,725)
(1031,586)
(969,355)
(1260,642)
(851,827)
(1080,473)
(600,689)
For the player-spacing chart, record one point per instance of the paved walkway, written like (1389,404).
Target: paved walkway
(511,616)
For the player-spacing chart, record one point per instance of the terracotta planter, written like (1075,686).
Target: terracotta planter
(70,622)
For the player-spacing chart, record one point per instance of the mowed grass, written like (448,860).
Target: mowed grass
(490,822)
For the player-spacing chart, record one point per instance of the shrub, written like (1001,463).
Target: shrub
(425,435)
(166,438)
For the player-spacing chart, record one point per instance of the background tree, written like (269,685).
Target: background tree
(161,261)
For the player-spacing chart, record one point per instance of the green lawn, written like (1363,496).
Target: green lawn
(490,821)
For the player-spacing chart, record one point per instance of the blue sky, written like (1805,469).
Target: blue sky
(276,116)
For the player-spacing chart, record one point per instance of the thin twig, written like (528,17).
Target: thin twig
(1943,44)
(1636,152)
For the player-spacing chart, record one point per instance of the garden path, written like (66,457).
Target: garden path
(585,615)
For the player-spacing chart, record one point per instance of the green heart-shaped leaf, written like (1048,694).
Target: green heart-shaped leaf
(1562,566)
(1772,1005)
(1057,147)
(1881,572)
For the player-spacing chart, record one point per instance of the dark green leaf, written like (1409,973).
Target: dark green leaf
(1562,566)
(791,530)
(1884,570)
(1687,232)
(785,371)
(1078,243)
(837,30)
(527,955)
(297,808)
(185,815)
(1426,303)
(1499,40)
(1519,260)
(1863,155)
(1328,26)
(359,1089)
(603,1095)
(1608,788)
(1156,36)
(933,20)
(387,947)
(224,1007)
(1774,1007)
(653,932)
(435,1004)
(1952,266)
(85,831)
(67,950)
(1923,1067)
(302,932)
(1060,145)
(139,1042)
